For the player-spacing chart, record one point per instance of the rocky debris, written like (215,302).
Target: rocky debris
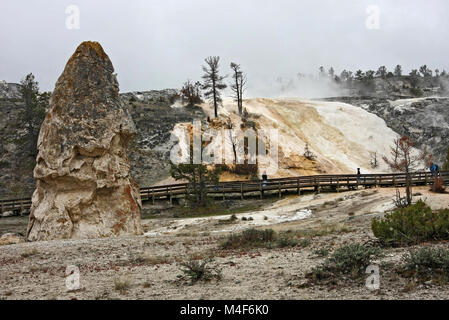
(151,96)
(11,238)
(84,188)
(9,90)
(7,214)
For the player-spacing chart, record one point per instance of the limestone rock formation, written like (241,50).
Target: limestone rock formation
(84,188)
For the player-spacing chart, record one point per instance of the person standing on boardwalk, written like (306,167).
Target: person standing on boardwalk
(358,176)
(264,179)
(433,169)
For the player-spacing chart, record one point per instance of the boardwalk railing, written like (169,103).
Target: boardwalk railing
(279,185)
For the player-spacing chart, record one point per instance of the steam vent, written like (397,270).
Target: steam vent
(84,188)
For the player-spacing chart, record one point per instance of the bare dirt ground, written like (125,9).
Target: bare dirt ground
(149,267)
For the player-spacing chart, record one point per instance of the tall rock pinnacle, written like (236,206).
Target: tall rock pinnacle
(84,188)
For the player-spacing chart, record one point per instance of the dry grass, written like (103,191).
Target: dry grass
(29,253)
(122,283)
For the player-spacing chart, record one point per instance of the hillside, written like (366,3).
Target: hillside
(343,133)
(343,137)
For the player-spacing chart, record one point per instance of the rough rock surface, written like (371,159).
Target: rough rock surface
(84,188)
(425,120)
(10,238)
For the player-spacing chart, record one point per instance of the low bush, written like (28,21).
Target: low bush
(438,185)
(122,284)
(283,242)
(412,225)
(245,169)
(351,260)
(427,264)
(268,238)
(195,270)
(250,238)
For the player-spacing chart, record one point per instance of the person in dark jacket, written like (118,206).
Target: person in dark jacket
(358,175)
(264,179)
(433,169)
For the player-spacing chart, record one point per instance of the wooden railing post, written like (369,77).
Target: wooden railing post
(171,197)
(299,187)
(261,191)
(280,192)
(152,194)
(241,189)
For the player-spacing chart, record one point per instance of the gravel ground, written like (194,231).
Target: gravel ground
(148,267)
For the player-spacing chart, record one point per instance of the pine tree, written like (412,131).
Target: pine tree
(398,71)
(213,82)
(446,163)
(34,112)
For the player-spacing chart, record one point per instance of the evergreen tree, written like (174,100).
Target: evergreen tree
(34,112)
(213,82)
(446,163)
(398,71)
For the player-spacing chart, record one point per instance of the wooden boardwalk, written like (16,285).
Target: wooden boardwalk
(333,183)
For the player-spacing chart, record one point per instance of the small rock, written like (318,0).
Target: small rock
(11,238)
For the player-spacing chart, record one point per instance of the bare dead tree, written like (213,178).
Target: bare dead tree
(404,161)
(238,85)
(308,154)
(374,163)
(213,82)
(232,139)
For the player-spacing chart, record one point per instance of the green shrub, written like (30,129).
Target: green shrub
(412,225)
(195,271)
(349,260)
(4,164)
(417,92)
(245,169)
(283,242)
(427,263)
(250,238)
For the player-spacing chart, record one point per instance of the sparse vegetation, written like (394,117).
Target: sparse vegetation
(446,163)
(412,225)
(122,284)
(284,241)
(198,177)
(268,238)
(29,253)
(250,238)
(196,270)
(4,164)
(309,154)
(350,260)
(403,160)
(321,253)
(427,264)
(191,93)
(438,185)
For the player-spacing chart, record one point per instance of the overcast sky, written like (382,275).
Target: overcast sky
(156,44)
